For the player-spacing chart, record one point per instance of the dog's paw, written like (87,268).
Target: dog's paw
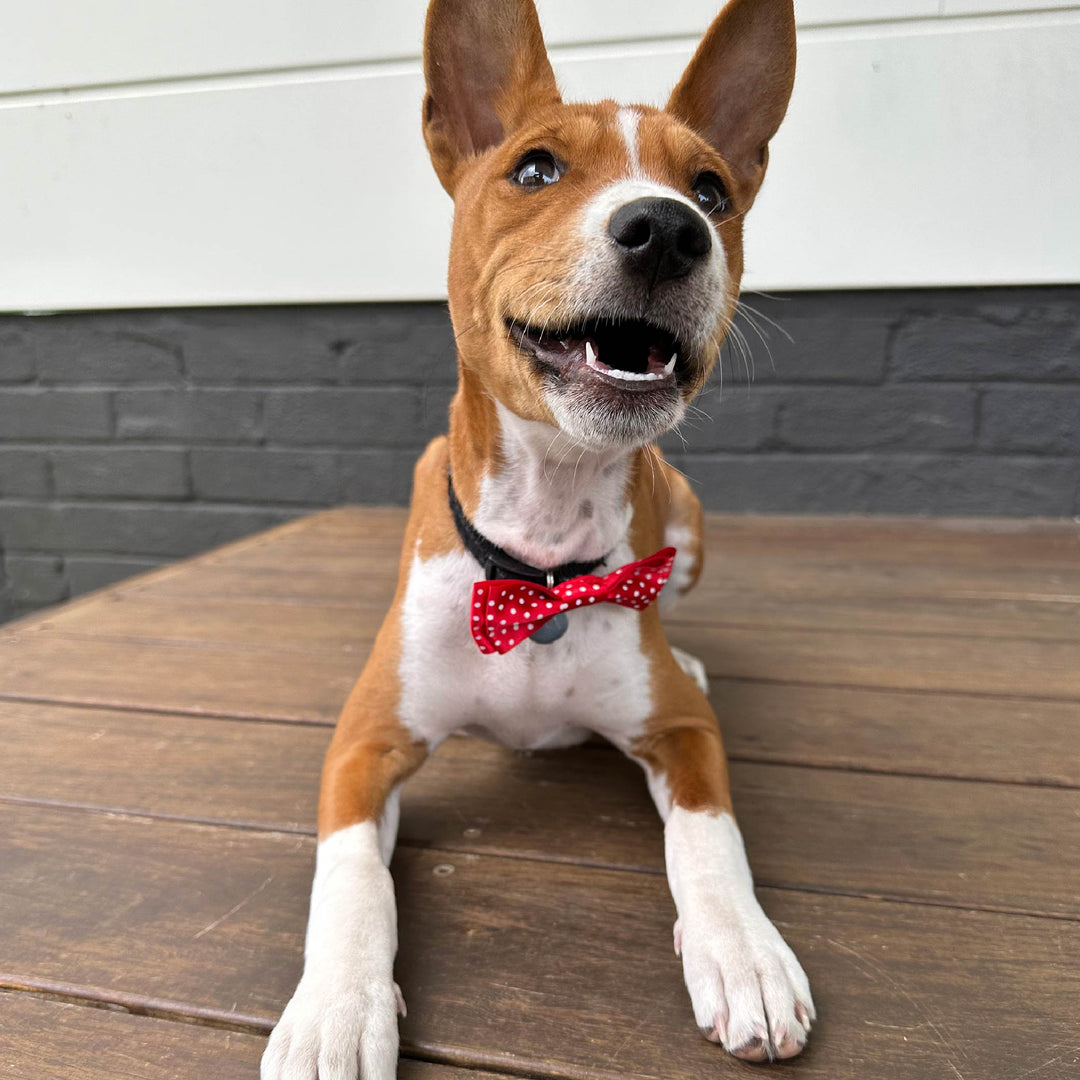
(748,989)
(333,1033)
(693,667)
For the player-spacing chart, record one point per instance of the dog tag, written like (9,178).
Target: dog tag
(552,630)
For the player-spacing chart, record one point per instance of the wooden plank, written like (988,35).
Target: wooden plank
(1019,741)
(44,1037)
(230,621)
(341,580)
(847,575)
(938,841)
(1010,666)
(504,963)
(1001,543)
(931,734)
(755,603)
(338,584)
(270,683)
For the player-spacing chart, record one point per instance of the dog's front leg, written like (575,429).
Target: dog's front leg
(747,988)
(341,1023)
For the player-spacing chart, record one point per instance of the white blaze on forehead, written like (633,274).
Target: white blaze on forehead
(628,127)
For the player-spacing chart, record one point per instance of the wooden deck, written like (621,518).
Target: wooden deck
(901,702)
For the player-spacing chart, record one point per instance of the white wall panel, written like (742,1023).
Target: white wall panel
(48,44)
(919,154)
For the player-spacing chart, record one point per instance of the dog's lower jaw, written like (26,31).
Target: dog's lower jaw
(599,426)
(746,986)
(342,1020)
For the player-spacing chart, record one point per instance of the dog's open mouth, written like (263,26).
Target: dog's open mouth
(631,354)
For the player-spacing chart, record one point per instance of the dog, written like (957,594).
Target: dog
(595,264)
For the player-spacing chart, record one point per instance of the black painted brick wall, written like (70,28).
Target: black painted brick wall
(131,438)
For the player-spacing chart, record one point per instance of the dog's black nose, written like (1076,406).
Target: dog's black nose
(660,239)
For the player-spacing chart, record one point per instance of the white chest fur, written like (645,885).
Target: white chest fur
(594,678)
(550,503)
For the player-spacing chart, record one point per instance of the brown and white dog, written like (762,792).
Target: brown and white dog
(594,270)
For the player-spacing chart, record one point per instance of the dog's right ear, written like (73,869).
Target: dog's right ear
(486,67)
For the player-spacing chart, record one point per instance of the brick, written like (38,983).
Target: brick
(883,484)
(410,343)
(31,414)
(738,418)
(120,473)
(377,476)
(841,337)
(31,526)
(226,416)
(23,472)
(1044,420)
(88,572)
(266,345)
(857,418)
(434,411)
(107,348)
(275,476)
(373,416)
(36,579)
(1041,345)
(16,351)
(129,528)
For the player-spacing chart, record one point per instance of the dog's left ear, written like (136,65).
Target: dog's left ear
(486,67)
(736,90)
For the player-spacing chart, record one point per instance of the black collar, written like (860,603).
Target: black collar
(498,563)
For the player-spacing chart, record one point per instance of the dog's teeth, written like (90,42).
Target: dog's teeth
(590,354)
(633,376)
(669,367)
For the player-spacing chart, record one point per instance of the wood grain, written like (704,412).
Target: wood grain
(1037,669)
(55,1040)
(275,679)
(829,830)
(155,848)
(283,684)
(931,734)
(212,918)
(320,611)
(1007,739)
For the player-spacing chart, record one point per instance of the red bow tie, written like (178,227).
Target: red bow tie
(506,611)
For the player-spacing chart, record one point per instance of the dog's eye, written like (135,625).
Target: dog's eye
(536,169)
(711,194)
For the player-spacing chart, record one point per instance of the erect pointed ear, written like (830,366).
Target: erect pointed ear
(735,91)
(485,66)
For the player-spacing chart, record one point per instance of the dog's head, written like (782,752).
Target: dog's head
(597,249)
